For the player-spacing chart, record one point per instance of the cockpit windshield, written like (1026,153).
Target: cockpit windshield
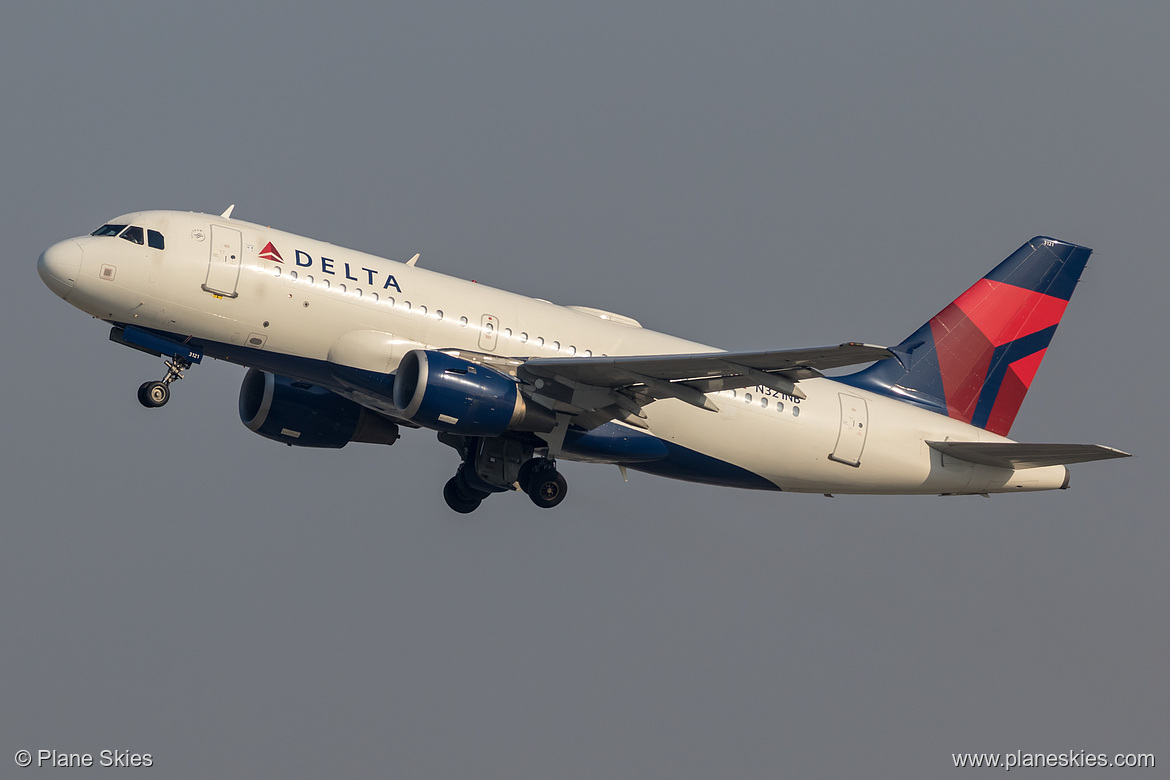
(133,234)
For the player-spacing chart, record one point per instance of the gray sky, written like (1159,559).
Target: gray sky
(744,175)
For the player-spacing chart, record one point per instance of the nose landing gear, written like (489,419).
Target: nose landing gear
(155,394)
(183,354)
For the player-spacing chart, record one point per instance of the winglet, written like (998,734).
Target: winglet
(414,259)
(228,214)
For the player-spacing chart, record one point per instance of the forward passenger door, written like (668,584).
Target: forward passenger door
(223,264)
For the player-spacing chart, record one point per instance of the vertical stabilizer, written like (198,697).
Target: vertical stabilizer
(975,359)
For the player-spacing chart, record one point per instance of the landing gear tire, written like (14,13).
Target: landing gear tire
(453,495)
(460,496)
(546,487)
(153,394)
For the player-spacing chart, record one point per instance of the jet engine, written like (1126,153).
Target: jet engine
(303,415)
(447,393)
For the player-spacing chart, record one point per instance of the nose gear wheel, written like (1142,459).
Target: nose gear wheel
(155,394)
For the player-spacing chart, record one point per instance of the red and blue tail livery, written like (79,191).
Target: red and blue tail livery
(975,360)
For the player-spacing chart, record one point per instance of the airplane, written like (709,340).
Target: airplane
(342,346)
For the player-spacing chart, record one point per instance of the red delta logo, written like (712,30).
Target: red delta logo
(270,253)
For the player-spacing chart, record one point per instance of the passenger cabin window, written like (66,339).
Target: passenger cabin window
(133,234)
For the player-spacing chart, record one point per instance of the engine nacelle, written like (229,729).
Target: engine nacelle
(304,415)
(447,393)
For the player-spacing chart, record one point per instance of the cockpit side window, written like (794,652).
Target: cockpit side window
(133,234)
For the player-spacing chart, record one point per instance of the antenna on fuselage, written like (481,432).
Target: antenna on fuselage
(228,214)
(413,260)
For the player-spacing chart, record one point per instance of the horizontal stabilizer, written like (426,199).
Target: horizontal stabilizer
(1015,455)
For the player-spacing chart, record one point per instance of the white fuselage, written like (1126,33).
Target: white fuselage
(327,304)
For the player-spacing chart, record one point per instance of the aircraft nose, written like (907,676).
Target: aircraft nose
(59,266)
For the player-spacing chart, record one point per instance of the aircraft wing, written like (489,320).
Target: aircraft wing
(1015,455)
(599,389)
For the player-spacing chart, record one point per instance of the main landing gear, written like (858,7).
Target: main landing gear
(461,496)
(538,478)
(542,482)
(155,394)
(497,465)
